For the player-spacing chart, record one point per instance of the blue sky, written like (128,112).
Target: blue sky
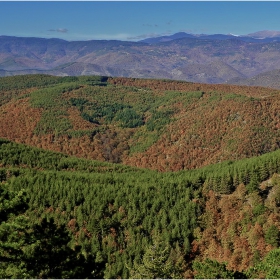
(134,20)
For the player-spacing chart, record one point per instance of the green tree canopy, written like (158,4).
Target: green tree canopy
(37,251)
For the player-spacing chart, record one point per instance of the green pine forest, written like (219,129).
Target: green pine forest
(106,177)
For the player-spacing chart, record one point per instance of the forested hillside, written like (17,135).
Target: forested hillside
(78,218)
(105,177)
(156,124)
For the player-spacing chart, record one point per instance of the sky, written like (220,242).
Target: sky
(134,20)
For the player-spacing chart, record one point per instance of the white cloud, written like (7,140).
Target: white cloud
(59,30)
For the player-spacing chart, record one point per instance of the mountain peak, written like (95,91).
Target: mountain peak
(264,34)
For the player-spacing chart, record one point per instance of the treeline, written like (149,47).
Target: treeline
(218,218)
(165,84)
(19,155)
(42,80)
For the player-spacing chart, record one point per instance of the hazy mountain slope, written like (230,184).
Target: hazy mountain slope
(213,73)
(265,34)
(166,38)
(197,59)
(268,79)
(247,58)
(164,125)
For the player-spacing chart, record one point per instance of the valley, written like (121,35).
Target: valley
(112,172)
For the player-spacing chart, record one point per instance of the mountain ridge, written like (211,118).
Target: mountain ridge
(195,59)
(259,36)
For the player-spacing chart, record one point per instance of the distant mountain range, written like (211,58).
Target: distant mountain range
(260,36)
(199,58)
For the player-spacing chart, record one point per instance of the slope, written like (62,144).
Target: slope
(220,57)
(158,124)
(116,213)
(267,79)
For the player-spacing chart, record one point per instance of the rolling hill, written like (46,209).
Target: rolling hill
(158,124)
(107,219)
